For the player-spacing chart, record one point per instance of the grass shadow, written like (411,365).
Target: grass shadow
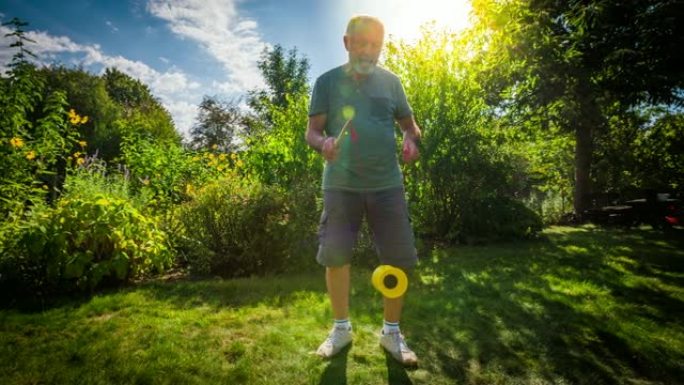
(396,372)
(220,293)
(555,317)
(335,372)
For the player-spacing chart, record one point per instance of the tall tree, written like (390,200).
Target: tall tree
(285,73)
(19,34)
(641,150)
(217,124)
(142,111)
(86,94)
(570,62)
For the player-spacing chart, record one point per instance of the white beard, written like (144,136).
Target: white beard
(363,67)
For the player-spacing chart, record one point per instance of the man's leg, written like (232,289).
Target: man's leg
(337,280)
(394,239)
(393,307)
(340,222)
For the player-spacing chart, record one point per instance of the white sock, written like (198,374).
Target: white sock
(389,327)
(343,324)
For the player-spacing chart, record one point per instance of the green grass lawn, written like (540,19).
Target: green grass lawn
(581,306)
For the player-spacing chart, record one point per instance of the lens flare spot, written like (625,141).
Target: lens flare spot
(348,112)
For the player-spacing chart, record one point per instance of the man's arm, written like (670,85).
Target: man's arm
(412,135)
(316,138)
(410,128)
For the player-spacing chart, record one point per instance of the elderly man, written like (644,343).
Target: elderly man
(351,123)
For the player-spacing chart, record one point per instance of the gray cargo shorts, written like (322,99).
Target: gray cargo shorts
(388,220)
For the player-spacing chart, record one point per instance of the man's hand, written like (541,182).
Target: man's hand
(329,150)
(410,151)
(412,135)
(317,140)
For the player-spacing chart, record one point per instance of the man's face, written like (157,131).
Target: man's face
(364,46)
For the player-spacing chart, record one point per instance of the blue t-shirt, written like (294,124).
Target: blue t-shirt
(367,159)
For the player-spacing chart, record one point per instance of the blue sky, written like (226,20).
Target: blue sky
(185,49)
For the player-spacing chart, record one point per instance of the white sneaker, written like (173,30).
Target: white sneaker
(338,338)
(394,344)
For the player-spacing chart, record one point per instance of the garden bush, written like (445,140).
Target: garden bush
(469,174)
(499,219)
(240,227)
(81,243)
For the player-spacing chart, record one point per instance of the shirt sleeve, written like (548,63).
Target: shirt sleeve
(402,108)
(319,98)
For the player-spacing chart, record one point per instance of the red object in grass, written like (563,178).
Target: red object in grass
(672,220)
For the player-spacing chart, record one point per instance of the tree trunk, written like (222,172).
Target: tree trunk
(583,155)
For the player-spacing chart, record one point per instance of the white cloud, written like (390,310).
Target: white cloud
(216,25)
(184,113)
(177,92)
(112,26)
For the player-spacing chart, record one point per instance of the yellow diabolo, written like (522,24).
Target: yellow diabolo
(390,281)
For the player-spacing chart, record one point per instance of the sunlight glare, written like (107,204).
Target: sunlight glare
(403,18)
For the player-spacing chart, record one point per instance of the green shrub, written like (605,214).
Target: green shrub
(163,175)
(242,227)
(280,155)
(23,270)
(94,177)
(81,243)
(499,219)
(169,173)
(469,173)
(162,169)
(37,136)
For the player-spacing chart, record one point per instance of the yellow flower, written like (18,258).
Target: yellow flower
(238,163)
(76,154)
(222,156)
(17,142)
(146,181)
(233,156)
(80,161)
(195,158)
(189,189)
(75,118)
(214,147)
(211,156)
(83,143)
(220,168)
(30,155)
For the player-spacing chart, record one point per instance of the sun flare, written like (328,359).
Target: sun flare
(403,18)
